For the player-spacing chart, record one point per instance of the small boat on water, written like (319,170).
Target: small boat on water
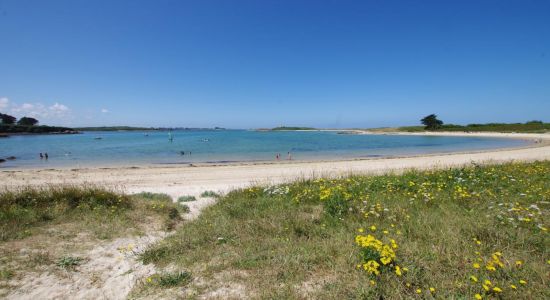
(98,138)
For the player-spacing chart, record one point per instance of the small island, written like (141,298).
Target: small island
(291,128)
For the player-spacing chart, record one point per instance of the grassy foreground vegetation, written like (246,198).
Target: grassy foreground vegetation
(479,232)
(46,229)
(23,210)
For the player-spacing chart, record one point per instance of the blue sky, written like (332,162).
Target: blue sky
(246,64)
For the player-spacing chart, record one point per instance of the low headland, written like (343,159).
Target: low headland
(7,130)
(9,125)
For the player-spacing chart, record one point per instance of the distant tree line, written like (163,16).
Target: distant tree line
(432,123)
(10,124)
(24,121)
(292,128)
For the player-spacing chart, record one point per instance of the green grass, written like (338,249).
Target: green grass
(299,240)
(172,279)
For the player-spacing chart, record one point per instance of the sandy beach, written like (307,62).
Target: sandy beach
(181,180)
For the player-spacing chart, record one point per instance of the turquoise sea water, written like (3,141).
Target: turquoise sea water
(138,148)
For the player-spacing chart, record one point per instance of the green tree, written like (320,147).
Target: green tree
(27,121)
(431,122)
(7,119)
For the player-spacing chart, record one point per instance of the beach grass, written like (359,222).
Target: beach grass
(27,208)
(463,233)
(187,198)
(210,194)
(41,228)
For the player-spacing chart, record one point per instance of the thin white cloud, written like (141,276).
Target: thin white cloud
(39,110)
(104,110)
(4,103)
(59,109)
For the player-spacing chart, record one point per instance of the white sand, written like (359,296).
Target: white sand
(184,180)
(110,271)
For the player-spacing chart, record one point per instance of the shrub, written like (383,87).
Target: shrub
(186,198)
(68,262)
(211,194)
(170,279)
(153,196)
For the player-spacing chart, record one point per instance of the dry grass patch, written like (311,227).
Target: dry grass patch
(47,229)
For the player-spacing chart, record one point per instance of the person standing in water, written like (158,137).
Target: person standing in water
(41,156)
(289,156)
(46,155)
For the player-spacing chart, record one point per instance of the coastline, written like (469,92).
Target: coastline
(178,180)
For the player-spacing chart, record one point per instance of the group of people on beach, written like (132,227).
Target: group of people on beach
(43,156)
(278,156)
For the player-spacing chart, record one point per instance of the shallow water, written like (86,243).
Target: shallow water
(137,148)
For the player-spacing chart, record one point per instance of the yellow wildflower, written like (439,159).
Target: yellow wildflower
(497,289)
(473,278)
(432,290)
(385,260)
(513,287)
(476,266)
(398,271)
(523,281)
(418,291)
(519,263)
(478,296)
